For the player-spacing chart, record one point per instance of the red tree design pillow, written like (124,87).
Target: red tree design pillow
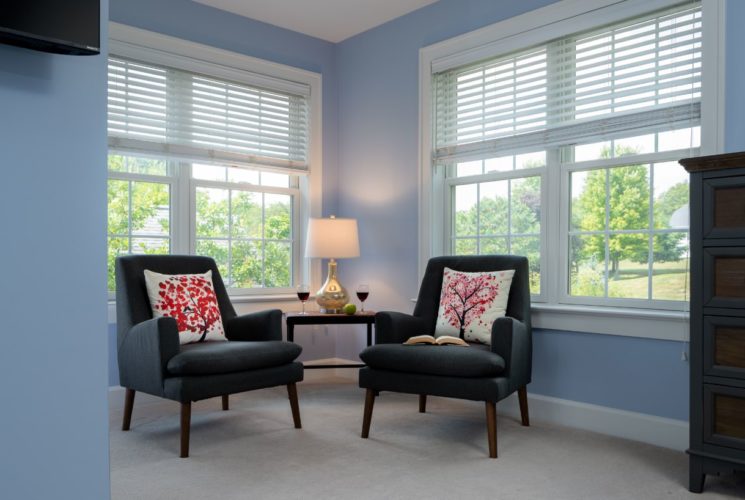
(470,302)
(191,300)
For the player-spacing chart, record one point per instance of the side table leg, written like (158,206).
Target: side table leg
(290,332)
(369,334)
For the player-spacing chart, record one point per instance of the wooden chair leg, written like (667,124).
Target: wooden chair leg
(185,425)
(491,427)
(522,395)
(129,401)
(367,417)
(422,403)
(292,393)
(225,402)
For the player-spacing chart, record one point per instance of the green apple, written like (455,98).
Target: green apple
(349,309)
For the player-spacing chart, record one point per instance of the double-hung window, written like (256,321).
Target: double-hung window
(210,161)
(566,152)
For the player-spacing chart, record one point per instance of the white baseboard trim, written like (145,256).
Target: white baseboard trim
(650,429)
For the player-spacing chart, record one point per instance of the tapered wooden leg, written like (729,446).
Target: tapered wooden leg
(292,393)
(522,395)
(225,402)
(129,401)
(185,424)
(422,403)
(367,417)
(491,426)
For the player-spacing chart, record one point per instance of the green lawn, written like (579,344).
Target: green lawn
(668,281)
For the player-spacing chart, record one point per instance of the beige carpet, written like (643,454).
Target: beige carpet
(253,452)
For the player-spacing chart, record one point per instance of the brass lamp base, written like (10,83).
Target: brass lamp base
(332,296)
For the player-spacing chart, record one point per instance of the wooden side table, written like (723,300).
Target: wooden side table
(317,318)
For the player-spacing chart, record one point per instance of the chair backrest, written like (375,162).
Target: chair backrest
(132,302)
(518,302)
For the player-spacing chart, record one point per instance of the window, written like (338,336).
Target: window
(208,157)
(567,151)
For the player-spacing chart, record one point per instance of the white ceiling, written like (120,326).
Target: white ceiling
(332,20)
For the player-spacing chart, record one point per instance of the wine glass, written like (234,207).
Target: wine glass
(363,291)
(303,293)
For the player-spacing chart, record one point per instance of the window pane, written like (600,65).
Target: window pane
(277,218)
(137,165)
(466,210)
(628,266)
(670,196)
(587,266)
(150,208)
(246,264)
(494,246)
(208,172)
(466,246)
(246,214)
(243,175)
(469,168)
(588,200)
(525,205)
(493,216)
(277,265)
(117,247)
(150,246)
(629,197)
(218,250)
(276,180)
(530,247)
(501,164)
(595,151)
(531,160)
(679,139)
(212,212)
(670,269)
(118,194)
(634,145)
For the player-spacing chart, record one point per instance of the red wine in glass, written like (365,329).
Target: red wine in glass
(363,291)
(303,293)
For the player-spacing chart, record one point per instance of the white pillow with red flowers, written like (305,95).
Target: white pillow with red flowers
(471,302)
(191,300)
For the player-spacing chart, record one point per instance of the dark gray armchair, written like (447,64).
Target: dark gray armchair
(478,373)
(152,361)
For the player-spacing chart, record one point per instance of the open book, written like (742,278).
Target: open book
(429,339)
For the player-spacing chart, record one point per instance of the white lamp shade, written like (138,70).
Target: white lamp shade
(332,239)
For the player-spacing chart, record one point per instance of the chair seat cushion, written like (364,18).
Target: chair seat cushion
(445,360)
(210,358)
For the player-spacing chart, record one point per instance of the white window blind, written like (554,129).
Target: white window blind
(641,74)
(158,110)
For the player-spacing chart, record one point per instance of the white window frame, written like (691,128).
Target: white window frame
(557,20)
(155,48)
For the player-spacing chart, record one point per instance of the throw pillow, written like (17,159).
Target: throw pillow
(470,302)
(191,300)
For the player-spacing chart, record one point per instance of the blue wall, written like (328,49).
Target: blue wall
(54,416)
(734,137)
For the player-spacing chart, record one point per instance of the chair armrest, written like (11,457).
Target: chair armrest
(262,325)
(395,327)
(511,339)
(144,353)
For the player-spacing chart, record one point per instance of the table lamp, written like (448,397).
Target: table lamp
(332,239)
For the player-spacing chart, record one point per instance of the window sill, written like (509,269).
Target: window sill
(627,322)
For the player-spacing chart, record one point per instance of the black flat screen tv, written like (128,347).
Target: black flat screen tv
(57,26)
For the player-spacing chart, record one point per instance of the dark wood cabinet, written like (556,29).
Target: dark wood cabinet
(717,416)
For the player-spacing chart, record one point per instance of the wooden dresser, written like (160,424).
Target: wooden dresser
(717,356)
